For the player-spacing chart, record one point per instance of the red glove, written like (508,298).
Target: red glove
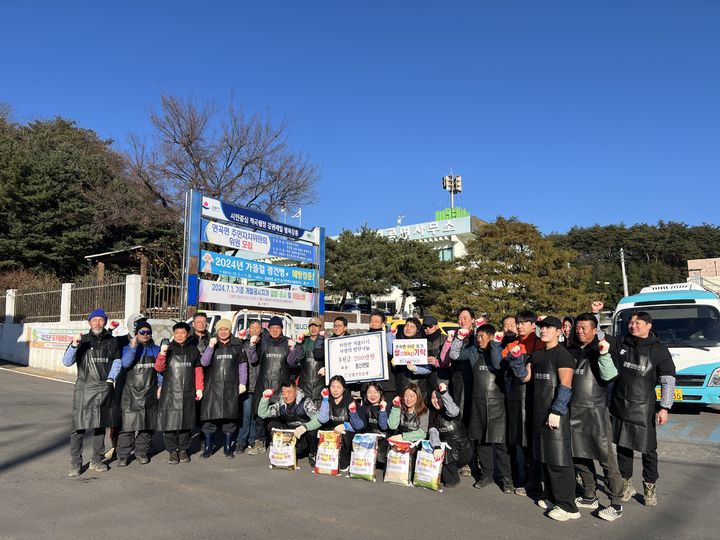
(396,401)
(394,330)
(604,347)
(480,321)
(242,333)
(300,338)
(515,351)
(383,405)
(463,333)
(451,335)
(325,393)
(498,336)
(267,394)
(352,408)
(114,325)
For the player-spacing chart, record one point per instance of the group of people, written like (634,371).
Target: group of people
(530,405)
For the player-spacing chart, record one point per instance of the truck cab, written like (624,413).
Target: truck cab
(686,319)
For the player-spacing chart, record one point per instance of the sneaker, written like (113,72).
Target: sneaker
(74,471)
(346,469)
(587,502)
(465,471)
(122,462)
(546,504)
(558,514)
(239,450)
(610,513)
(311,460)
(257,449)
(451,484)
(183,456)
(98,466)
(143,460)
(520,491)
(507,487)
(483,482)
(628,490)
(650,493)
(173,458)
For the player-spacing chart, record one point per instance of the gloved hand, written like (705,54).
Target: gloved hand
(254,339)
(242,333)
(213,341)
(321,371)
(451,335)
(158,392)
(325,393)
(596,306)
(553,421)
(396,401)
(76,340)
(267,394)
(383,405)
(163,348)
(299,431)
(463,333)
(291,344)
(339,429)
(110,381)
(300,338)
(352,407)
(480,321)
(515,351)
(438,454)
(198,395)
(498,336)
(433,361)
(242,389)
(442,387)
(411,366)
(604,347)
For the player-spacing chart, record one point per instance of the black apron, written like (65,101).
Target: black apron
(293,415)
(409,421)
(517,418)
(220,398)
(633,400)
(94,401)
(438,375)
(550,446)
(139,402)
(310,382)
(339,413)
(453,432)
(461,380)
(589,417)
(274,369)
(487,413)
(403,376)
(177,397)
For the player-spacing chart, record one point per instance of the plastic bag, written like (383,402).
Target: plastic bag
(328,453)
(282,450)
(428,471)
(398,467)
(364,456)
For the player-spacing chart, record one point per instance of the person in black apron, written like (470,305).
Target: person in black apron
(435,340)
(460,354)
(590,424)
(199,337)
(275,353)
(374,416)
(445,425)
(377,324)
(226,374)
(292,410)
(487,426)
(311,356)
(338,413)
(409,416)
(248,417)
(183,384)
(139,396)
(94,401)
(411,373)
(644,363)
(552,370)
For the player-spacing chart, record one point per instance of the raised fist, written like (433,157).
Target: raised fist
(322,333)
(396,401)
(515,351)
(198,395)
(253,340)
(213,342)
(133,342)
(498,336)
(480,321)
(352,408)
(114,325)
(596,306)
(451,335)
(76,340)
(242,333)
(163,348)
(325,393)
(604,347)
(463,333)
(321,372)
(291,344)
(267,394)
(300,338)
(383,405)
(438,454)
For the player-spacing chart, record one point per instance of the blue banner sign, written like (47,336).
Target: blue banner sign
(255,242)
(216,209)
(226,265)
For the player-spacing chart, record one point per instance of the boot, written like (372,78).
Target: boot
(650,494)
(257,449)
(209,445)
(228,445)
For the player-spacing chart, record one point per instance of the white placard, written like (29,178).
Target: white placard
(413,350)
(358,357)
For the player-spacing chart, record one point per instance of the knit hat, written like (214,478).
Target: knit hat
(142,324)
(99,312)
(275,321)
(223,323)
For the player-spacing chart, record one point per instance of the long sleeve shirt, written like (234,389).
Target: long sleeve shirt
(206,360)
(412,436)
(356,423)
(69,359)
(131,354)
(161,366)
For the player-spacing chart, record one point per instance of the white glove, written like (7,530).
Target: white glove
(299,431)
(553,421)
(76,340)
(213,342)
(411,366)
(242,389)
(339,429)
(198,395)
(253,340)
(321,371)
(604,347)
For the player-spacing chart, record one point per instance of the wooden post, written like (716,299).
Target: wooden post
(101,273)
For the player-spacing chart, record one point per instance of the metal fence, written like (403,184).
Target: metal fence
(84,298)
(2,308)
(37,306)
(162,300)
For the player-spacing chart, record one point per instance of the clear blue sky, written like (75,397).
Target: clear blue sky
(559,112)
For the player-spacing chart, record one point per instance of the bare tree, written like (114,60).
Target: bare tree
(222,152)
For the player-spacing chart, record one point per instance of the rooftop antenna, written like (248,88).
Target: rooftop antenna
(453,184)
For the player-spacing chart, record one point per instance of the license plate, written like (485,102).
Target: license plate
(677,394)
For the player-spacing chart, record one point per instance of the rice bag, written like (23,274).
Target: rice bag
(282,450)
(428,471)
(328,453)
(398,466)
(364,456)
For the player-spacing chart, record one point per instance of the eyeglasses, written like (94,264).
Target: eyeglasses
(145,332)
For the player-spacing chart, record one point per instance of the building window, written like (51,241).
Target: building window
(446,254)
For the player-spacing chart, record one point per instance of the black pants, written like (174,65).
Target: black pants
(451,469)
(527,470)
(492,456)
(140,443)
(261,432)
(307,443)
(649,464)
(345,450)
(227,425)
(560,486)
(177,440)
(76,446)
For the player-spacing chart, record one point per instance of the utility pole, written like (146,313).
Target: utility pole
(624,274)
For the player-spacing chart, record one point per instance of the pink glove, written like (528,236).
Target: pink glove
(300,338)
(242,333)
(498,336)
(604,347)
(463,333)
(267,394)
(480,321)
(325,393)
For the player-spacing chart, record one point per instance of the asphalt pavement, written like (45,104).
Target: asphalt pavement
(222,498)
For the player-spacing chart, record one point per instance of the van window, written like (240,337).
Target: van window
(677,326)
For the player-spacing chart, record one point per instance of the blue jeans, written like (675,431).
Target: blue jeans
(246,435)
